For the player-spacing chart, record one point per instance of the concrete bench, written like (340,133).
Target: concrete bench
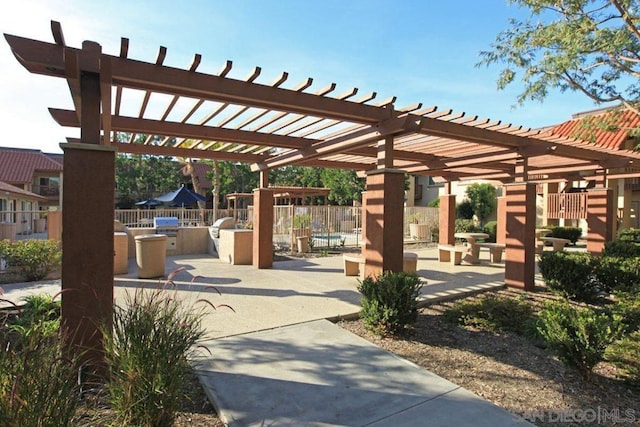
(495,250)
(450,253)
(557,242)
(354,264)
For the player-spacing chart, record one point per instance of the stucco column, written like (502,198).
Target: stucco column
(520,235)
(549,188)
(447,219)
(501,231)
(87,237)
(263,228)
(599,218)
(383,239)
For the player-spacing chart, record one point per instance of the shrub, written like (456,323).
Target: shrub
(630,235)
(571,275)
(465,226)
(33,258)
(147,351)
(390,301)
(569,233)
(40,315)
(619,273)
(302,221)
(621,248)
(491,228)
(627,307)
(579,336)
(38,385)
(435,203)
(464,210)
(494,314)
(625,355)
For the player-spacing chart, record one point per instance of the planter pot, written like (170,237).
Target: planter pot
(419,231)
(303,244)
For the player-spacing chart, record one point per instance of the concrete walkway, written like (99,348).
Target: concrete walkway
(277,361)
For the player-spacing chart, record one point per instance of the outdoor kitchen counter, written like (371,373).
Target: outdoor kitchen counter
(189,240)
(236,246)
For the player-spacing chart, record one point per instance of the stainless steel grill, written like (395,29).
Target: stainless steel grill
(166,225)
(222,224)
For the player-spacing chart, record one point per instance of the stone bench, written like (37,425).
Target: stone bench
(354,264)
(450,253)
(557,242)
(495,250)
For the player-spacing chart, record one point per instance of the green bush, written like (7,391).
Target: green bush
(619,273)
(571,274)
(465,226)
(464,210)
(579,336)
(491,228)
(40,315)
(621,248)
(625,355)
(38,384)
(302,220)
(435,203)
(630,235)
(389,301)
(569,233)
(147,351)
(491,313)
(627,307)
(33,258)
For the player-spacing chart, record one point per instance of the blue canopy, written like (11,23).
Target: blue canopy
(181,197)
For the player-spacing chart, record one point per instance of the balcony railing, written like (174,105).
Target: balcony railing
(46,190)
(567,206)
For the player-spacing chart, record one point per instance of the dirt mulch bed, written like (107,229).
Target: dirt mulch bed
(511,371)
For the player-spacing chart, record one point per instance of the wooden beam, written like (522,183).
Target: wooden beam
(186,130)
(158,150)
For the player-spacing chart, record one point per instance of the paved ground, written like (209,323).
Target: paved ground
(276,361)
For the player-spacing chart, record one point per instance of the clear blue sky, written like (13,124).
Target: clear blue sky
(420,51)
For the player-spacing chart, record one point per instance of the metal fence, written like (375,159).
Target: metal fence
(326,226)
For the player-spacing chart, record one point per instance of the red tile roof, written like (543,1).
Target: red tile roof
(609,130)
(201,170)
(4,187)
(17,166)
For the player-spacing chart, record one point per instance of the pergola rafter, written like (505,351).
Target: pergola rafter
(271,126)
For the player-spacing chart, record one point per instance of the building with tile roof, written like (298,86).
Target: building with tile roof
(33,171)
(614,128)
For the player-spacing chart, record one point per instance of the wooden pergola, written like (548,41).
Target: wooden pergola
(271,125)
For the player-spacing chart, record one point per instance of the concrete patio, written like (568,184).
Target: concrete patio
(277,361)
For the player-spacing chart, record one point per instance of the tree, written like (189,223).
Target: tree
(140,177)
(482,197)
(344,184)
(589,46)
(230,177)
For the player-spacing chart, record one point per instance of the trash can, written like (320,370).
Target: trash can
(151,251)
(121,253)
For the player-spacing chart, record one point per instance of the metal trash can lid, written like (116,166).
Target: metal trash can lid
(146,237)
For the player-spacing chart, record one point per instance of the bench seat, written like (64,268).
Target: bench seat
(450,253)
(354,264)
(495,250)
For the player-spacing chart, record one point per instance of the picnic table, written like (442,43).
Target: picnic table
(474,250)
